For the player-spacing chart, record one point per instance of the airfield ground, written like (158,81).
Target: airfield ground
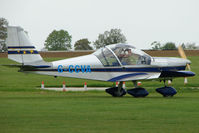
(23,108)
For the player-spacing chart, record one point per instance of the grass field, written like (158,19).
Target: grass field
(23,108)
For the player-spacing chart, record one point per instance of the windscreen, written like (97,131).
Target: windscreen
(128,55)
(106,57)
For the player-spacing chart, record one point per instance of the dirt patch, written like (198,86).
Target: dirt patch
(162,53)
(3,55)
(171,53)
(64,54)
(56,54)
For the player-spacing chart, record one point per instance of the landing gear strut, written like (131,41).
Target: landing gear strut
(137,91)
(116,91)
(166,91)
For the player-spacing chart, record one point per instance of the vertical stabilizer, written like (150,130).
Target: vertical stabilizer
(20,49)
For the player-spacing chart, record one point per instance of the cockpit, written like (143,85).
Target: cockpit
(121,55)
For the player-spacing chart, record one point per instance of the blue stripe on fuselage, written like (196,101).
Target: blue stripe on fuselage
(144,69)
(41,66)
(125,76)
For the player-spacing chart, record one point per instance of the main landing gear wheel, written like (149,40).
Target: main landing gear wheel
(137,91)
(116,91)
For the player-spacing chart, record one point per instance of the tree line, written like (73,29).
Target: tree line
(172,46)
(3,34)
(61,40)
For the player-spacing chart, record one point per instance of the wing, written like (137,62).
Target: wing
(135,76)
(176,74)
(151,76)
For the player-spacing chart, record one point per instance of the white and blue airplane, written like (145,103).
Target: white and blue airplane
(113,63)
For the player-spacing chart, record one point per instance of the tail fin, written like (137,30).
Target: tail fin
(20,49)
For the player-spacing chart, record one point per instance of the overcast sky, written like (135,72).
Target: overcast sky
(141,21)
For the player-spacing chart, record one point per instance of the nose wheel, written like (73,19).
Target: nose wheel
(166,91)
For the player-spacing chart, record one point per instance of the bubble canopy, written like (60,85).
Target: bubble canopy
(122,54)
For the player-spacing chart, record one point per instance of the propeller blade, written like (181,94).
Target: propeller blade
(188,66)
(181,52)
(183,55)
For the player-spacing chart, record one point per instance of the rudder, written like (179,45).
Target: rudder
(20,49)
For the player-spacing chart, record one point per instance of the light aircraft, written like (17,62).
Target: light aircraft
(113,63)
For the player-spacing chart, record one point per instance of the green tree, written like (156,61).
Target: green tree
(58,40)
(110,37)
(191,46)
(169,46)
(156,45)
(83,44)
(3,34)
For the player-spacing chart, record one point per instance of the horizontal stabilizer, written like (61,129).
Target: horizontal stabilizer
(12,66)
(28,67)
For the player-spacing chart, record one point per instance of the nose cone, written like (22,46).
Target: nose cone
(179,61)
(187,61)
(170,61)
(184,61)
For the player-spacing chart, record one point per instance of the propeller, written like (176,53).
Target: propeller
(183,55)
